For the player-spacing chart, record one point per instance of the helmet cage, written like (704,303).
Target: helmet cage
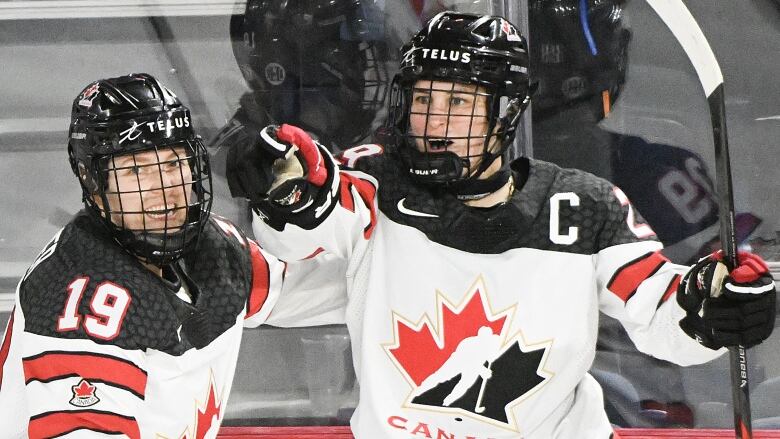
(494,67)
(187,170)
(470,122)
(99,141)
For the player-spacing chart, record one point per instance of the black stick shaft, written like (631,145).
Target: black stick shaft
(740,392)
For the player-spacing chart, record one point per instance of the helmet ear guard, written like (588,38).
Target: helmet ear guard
(79,167)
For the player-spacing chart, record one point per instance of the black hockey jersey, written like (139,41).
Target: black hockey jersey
(99,344)
(481,323)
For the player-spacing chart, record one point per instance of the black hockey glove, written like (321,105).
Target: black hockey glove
(728,309)
(266,171)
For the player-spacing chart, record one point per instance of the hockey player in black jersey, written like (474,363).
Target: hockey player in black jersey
(473,284)
(130,319)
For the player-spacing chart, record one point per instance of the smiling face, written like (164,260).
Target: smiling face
(149,191)
(452,117)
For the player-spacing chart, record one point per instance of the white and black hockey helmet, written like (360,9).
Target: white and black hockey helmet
(132,114)
(483,50)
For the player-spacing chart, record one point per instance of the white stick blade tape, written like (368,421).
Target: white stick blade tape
(679,20)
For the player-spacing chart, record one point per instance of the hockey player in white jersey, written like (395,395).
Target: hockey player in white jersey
(130,320)
(444,240)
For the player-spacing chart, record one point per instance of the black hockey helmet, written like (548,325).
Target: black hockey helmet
(579,53)
(317,64)
(121,117)
(460,48)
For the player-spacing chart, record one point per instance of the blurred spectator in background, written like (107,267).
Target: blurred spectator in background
(318,64)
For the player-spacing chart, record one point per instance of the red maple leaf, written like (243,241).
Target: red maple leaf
(421,352)
(84,389)
(206,417)
(209,415)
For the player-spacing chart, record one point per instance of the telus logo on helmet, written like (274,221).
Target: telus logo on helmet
(446,55)
(169,124)
(133,132)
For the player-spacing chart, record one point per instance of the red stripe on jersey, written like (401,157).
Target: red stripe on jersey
(315,253)
(367,191)
(6,346)
(51,366)
(54,424)
(345,186)
(670,289)
(261,279)
(627,278)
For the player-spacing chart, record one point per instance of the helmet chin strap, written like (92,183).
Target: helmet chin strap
(473,188)
(441,168)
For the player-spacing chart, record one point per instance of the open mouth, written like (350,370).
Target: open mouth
(161,211)
(439,145)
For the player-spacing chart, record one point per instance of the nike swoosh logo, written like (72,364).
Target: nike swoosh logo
(410,212)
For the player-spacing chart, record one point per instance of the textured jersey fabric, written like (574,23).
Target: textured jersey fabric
(482,323)
(98,344)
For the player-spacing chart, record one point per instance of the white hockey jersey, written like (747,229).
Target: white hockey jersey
(471,323)
(99,346)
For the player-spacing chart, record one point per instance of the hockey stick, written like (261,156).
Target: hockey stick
(480,408)
(679,20)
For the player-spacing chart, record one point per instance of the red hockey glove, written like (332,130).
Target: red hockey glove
(265,171)
(728,309)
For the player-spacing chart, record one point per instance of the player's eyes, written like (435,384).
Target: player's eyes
(458,100)
(453,100)
(422,99)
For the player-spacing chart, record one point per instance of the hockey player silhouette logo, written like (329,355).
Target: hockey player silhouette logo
(470,363)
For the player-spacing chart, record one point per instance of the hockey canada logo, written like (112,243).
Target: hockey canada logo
(84,394)
(293,197)
(86,98)
(509,31)
(469,362)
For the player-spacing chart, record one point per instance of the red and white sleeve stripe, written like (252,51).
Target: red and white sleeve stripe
(267,279)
